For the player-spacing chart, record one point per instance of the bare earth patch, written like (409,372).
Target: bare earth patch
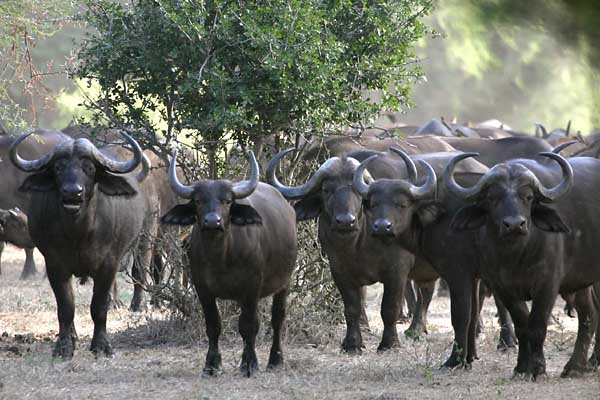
(157,359)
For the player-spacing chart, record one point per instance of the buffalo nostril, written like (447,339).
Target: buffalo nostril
(345,219)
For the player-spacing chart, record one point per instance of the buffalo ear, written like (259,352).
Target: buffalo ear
(308,208)
(548,219)
(113,185)
(40,182)
(468,218)
(182,214)
(243,214)
(430,211)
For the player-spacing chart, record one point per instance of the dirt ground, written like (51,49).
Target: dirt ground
(151,364)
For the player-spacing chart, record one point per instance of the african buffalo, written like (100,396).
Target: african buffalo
(243,247)
(86,212)
(530,251)
(397,210)
(14,229)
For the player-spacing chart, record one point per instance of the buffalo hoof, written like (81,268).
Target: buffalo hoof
(351,349)
(64,348)
(522,376)
(212,367)
(249,368)
(575,370)
(275,360)
(388,344)
(456,363)
(506,343)
(416,332)
(101,347)
(594,361)
(28,272)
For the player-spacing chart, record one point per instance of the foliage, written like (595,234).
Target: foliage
(521,62)
(238,71)
(24,23)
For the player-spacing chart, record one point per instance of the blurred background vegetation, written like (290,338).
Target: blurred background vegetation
(520,62)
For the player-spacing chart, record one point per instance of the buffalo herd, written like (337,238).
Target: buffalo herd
(485,208)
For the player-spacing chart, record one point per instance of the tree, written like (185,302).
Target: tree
(224,71)
(24,23)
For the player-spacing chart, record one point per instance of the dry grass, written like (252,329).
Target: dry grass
(158,358)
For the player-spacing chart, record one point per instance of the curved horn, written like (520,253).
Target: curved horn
(542,129)
(411,169)
(146,165)
(563,146)
(553,194)
(568,130)
(179,188)
(358,180)
(25,165)
(455,188)
(430,185)
(120,167)
(245,188)
(297,192)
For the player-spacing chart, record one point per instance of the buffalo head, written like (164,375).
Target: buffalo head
(14,228)
(74,168)
(508,199)
(392,203)
(328,193)
(213,203)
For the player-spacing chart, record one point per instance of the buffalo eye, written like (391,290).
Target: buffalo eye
(60,166)
(227,200)
(88,167)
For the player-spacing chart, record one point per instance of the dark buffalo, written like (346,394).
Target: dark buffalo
(243,247)
(496,151)
(419,223)
(86,213)
(12,178)
(14,230)
(530,251)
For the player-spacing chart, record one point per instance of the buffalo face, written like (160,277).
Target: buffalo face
(328,193)
(508,200)
(393,204)
(213,203)
(72,171)
(14,228)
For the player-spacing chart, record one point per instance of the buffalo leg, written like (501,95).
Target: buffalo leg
(390,306)
(418,326)
(113,297)
(212,318)
(352,343)
(99,310)
(29,269)
(484,292)
(248,327)
(460,311)
(578,363)
(472,329)
(507,338)
(63,292)
(277,321)
(411,303)
(595,358)
(541,309)
(138,274)
(520,316)
(364,320)
(157,275)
